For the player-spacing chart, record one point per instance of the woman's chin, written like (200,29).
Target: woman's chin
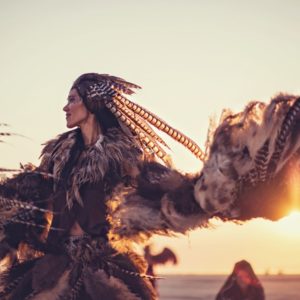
(69,125)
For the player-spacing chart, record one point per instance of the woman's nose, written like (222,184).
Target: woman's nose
(66,107)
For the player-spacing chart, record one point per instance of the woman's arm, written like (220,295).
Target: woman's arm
(252,170)
(162,202)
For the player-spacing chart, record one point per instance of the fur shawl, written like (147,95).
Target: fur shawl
(113,155)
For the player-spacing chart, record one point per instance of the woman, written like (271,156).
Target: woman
(66,227)
(242,284)
(59,221)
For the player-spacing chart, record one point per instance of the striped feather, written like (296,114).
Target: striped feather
(261,161)
(7,203)
(99,88)
(140,122)
(120,84)
(163,126)
(151,144)
(285,130)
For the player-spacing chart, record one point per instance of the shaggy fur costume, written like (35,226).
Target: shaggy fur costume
(251,171)
(89,267)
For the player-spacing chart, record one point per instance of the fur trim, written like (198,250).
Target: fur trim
(163,204)
(111,285)
(138,220)
(57,291)
(249,148)
(113,152)
(23,209)
(179,222)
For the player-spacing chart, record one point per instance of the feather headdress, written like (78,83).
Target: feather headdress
(101,90)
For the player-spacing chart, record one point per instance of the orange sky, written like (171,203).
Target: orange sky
(192,59)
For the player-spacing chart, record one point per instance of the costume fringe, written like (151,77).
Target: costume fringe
(107,156)
(251,151)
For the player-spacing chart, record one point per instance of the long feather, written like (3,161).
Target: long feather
(163,126)
(140,122)
(285,130)
(7,203)
(145,138)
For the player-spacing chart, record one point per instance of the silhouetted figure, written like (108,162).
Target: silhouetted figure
(167,255)
(242,284)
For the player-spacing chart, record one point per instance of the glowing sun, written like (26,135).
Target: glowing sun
(289,225)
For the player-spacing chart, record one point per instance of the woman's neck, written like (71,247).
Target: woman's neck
(90,131)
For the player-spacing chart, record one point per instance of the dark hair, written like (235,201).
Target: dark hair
(96,106)
(106,119)
(83,84)
(74,156)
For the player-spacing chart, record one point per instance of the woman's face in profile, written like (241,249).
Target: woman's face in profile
(76,112)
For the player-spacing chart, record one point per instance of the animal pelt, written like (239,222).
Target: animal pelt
(97,285)
(253,158)
(104,274)
(23,203)
(163,203)
(248,171)
(109,159)
(272,199)
(253,162)
(110,288)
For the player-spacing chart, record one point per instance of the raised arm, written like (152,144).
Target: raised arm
(252,171)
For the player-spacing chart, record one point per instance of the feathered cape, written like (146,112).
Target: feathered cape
(111,156)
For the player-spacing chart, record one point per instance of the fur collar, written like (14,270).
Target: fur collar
(112,152)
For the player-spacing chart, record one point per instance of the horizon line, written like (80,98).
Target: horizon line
(226,274)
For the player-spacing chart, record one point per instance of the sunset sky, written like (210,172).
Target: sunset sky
(193,58)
